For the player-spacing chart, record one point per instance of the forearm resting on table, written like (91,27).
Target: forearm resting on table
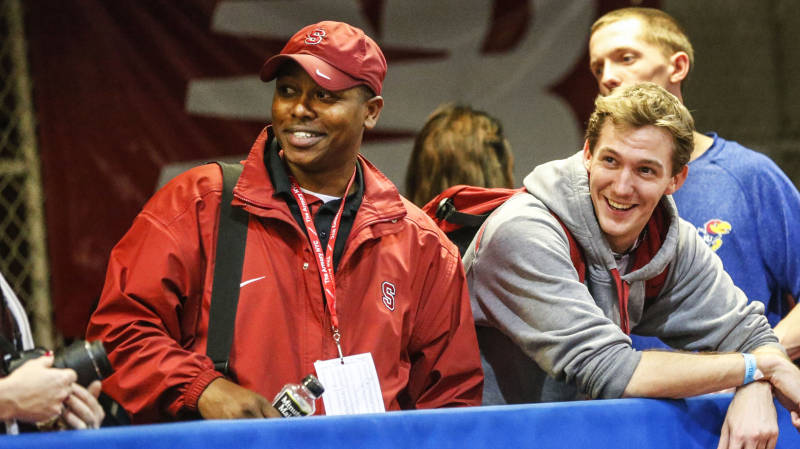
(665,374)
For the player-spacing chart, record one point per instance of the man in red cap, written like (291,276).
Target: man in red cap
(337,264)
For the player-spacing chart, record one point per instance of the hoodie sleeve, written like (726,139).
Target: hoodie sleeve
(700,309)
(523,282)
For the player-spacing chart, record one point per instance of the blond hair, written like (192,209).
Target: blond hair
(458,145)
(645,104)
(658,28)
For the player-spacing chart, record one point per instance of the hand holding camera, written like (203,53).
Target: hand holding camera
(88,360)
(40,387)
(36,392)
(81,409)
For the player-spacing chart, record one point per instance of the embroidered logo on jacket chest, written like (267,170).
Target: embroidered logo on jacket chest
(388,291)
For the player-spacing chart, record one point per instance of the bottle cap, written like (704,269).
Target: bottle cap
(314,385)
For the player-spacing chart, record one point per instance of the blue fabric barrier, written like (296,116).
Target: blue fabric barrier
(620,423)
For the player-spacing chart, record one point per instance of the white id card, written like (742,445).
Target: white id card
(352,387)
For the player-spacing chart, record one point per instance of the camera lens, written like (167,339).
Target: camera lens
(89,360)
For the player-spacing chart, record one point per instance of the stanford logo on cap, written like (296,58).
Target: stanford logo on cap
(337,55)
(315,37)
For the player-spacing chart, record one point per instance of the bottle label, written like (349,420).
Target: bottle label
(288,406)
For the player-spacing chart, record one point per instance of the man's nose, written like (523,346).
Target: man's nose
(610,80)
(302,107)
(623,184)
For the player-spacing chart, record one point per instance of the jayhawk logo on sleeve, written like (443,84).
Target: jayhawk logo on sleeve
(713,231)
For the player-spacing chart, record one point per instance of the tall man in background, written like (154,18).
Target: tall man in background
(741,203)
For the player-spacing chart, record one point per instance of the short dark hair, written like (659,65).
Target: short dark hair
(366,92)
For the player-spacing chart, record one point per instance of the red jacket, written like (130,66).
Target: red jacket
(153,312)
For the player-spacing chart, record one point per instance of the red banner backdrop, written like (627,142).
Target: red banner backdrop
(113,81)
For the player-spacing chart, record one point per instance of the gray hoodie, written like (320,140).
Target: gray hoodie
(546,336)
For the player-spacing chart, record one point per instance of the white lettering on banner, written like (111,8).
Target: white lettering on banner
(515,86)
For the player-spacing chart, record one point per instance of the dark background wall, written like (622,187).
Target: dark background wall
(745,81)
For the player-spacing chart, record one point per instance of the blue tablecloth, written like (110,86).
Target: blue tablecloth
(622,423)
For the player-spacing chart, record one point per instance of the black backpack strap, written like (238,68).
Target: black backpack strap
(231,240)
(447,211)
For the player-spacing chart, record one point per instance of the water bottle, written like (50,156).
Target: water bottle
(299,400)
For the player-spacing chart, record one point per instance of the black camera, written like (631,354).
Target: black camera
(88,359)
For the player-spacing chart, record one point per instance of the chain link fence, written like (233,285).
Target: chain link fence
(23,257)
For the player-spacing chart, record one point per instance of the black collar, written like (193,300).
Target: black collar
(279,175)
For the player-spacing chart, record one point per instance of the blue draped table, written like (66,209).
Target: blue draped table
(631,423)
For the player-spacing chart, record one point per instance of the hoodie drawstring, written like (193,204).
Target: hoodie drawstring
(623,291)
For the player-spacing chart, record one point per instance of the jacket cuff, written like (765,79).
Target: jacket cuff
(197,387)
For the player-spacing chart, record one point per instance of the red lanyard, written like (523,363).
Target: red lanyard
(324,259)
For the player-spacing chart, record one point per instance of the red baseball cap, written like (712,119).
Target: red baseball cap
(336,55)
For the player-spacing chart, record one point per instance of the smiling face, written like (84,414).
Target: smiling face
(619,56)
(629,171)
(320,131)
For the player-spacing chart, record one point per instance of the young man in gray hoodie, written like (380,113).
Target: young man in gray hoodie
(546,335)
(740,202)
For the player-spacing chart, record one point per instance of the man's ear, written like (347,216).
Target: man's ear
(680,67)
(587,155)
(374,106)
(677,181)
